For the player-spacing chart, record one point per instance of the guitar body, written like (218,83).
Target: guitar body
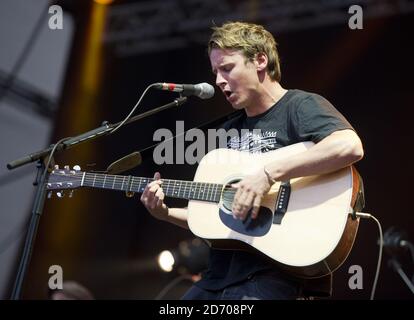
(311,239)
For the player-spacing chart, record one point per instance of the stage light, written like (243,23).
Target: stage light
(81,105)
(105,2)
(166,261)
(190,257)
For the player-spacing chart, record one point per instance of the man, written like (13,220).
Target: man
(245,60)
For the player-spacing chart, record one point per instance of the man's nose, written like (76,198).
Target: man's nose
(220,81)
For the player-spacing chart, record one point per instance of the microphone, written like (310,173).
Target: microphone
(395,239)
(201,90)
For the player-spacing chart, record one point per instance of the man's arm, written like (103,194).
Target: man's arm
(178,216)
(338,150)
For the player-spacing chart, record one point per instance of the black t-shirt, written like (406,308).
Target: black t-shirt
(298,116)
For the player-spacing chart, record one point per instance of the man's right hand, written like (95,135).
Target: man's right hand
(153,198)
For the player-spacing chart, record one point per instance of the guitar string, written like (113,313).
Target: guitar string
(207,192)
(166,182)
(209,187)
(166,185)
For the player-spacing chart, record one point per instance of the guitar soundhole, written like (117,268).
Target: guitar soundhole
(228,195)
(253,227)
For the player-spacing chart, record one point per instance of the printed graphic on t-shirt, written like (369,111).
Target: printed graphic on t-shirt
(254,141)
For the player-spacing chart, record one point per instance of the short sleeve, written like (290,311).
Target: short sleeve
(315,118)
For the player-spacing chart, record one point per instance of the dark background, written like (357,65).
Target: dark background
(105,240)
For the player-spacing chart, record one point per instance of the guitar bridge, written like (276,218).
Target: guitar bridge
(282,202)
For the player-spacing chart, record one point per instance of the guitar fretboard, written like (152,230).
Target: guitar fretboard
(189,190)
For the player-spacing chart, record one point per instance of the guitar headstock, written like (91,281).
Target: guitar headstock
(63,179)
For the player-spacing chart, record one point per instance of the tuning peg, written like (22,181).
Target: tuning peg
(56,167)
(76,168)
(66,167)
(49,194)
(70,193)
(60,194)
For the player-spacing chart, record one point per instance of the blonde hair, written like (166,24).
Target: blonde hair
(250,39)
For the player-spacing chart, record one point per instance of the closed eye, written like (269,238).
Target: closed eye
(227,67)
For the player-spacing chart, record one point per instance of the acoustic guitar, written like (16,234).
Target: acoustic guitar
(305,225)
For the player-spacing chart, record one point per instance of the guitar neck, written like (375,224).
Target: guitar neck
(181,189)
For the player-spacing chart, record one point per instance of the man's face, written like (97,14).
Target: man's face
(236,77)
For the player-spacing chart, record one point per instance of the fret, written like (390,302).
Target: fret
(83,178)
(210,191)
(122,185)
(204,190)
(129,184)
(214,192)
(103,184)
(146,182)
(207,191)
(133,185)
(113,182)
(189,190)
(166,187)
(93,182)
(200,191)
(98,181)
(218,193)
(179,187)
(186,191)
(174,186)
(193,189)
(141,185)
(174,191)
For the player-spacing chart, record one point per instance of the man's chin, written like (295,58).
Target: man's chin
(237,106)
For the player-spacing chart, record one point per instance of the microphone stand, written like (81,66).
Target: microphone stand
(397,268)
(42,176)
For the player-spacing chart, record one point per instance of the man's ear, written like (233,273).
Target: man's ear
(261,61)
